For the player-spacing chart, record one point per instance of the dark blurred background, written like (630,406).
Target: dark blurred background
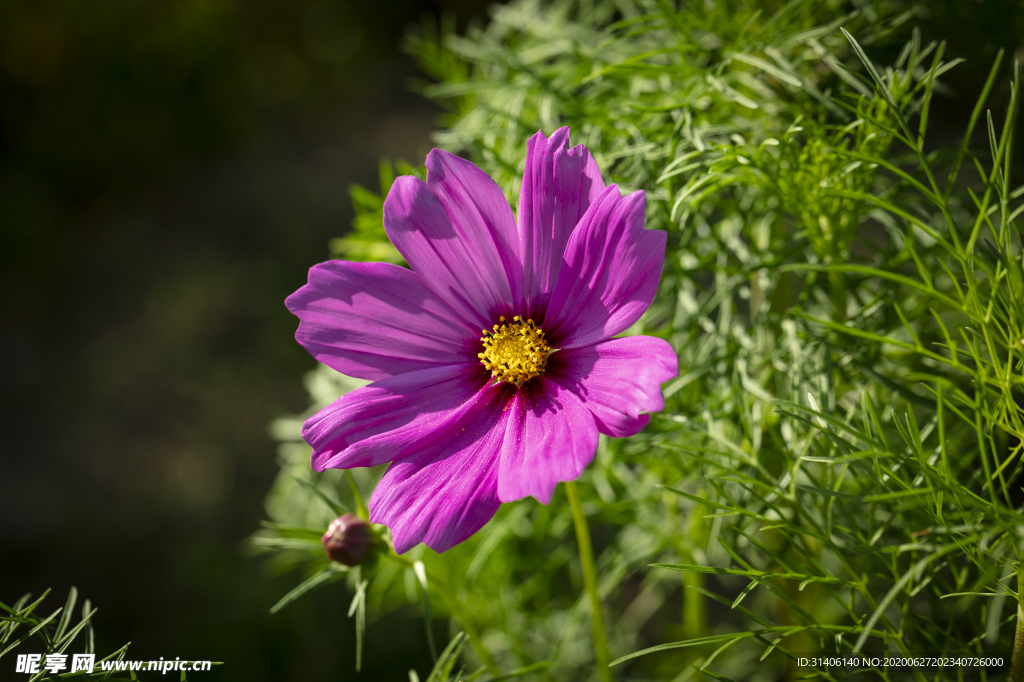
(169,169)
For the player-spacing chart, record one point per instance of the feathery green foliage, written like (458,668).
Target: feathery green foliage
(52,634)
(837,466)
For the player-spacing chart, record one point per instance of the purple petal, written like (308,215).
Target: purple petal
(392,418)
(609,274)
(458,233)
(376,320)
(559,184)
(447,491)
(617,380)
(551,438)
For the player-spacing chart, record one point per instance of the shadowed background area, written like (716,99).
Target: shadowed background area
(169,169)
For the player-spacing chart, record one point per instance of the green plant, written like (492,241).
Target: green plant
(837,463)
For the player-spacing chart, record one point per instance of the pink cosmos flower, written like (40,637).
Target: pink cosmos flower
(468,418)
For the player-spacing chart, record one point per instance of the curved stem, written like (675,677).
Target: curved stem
(601,651)
(1017,669)
(455,606)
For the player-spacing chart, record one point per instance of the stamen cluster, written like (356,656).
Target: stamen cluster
(514,352)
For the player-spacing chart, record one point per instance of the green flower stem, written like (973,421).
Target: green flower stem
(601,651)
(455,606)
(1017,670)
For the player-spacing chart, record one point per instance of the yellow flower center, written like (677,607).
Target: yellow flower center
(514,351)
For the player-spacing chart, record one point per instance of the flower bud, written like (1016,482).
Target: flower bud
(348,540)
